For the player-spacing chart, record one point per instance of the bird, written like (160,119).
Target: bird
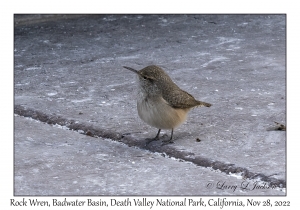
(160,102)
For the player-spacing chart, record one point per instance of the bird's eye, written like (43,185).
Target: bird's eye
(144,77)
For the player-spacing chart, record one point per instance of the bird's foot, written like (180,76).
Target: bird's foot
(165,142)
(149,140)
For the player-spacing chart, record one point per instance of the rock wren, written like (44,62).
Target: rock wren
(160,102)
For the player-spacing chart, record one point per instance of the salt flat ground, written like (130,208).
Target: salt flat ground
(68,71)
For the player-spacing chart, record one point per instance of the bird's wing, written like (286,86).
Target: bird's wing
(180,99)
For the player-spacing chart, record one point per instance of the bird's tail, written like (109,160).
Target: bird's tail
(201,103)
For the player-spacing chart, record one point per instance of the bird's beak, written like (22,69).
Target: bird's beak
(131,69)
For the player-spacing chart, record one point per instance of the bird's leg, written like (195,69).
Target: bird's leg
(156,138)
(157,135)
(170,140)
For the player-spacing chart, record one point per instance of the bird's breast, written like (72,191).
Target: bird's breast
(156,112)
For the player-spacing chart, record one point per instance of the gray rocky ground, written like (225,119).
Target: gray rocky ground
(68,73)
